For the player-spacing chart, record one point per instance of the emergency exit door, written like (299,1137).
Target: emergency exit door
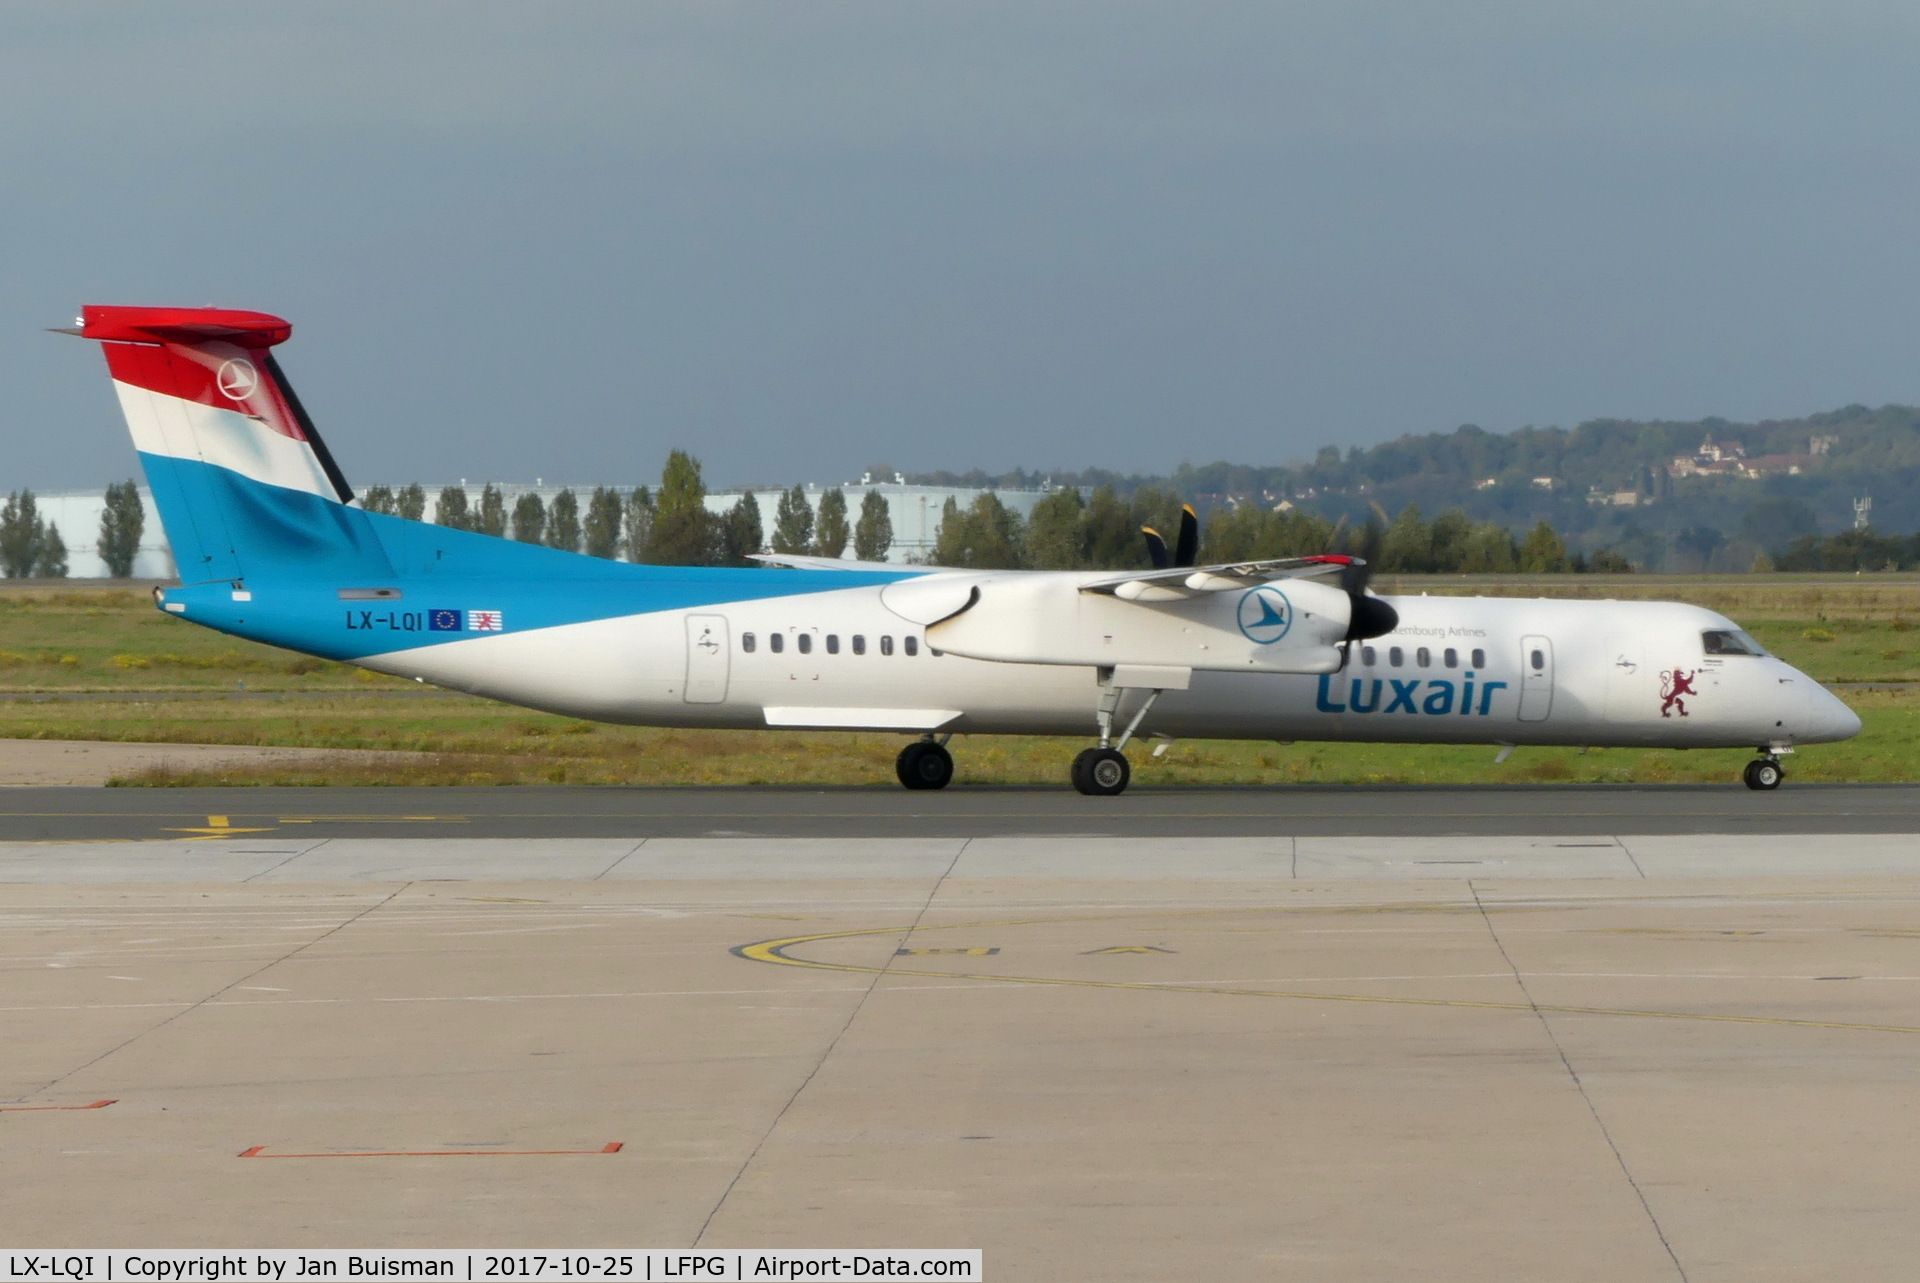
(707,659)
(1536,679)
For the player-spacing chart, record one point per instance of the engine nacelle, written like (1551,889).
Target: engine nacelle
(1288,626)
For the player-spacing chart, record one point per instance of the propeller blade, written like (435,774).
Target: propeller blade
(1157,549)
(1186,547)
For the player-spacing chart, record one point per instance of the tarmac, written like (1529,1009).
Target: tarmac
(1608,1047)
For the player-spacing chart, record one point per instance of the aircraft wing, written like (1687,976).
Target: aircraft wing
(1188,581)
(799,561)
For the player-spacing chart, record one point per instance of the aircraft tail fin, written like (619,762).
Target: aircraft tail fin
(241,478)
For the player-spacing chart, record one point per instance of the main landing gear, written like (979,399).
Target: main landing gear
(924,764)
(1764,773)
(1103,771)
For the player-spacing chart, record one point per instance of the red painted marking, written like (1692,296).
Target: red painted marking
(611,1147)
(28,1109)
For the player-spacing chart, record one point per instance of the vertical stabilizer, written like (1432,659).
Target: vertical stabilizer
(243,483)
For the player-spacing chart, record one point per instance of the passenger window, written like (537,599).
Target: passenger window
(1452,658)
(1368,656)
(833,643)
(859,644)
(805,641)
(1538,659)
(1396,656)
(912,645)
(886,643)
(1479,658)
(776,642)
(746,642)
(1734,642)
(1423,657)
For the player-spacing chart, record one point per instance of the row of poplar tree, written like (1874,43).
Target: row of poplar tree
(32,547)
(1067,531)
(668,527)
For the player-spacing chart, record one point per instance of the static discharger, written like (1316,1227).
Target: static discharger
(611,1147)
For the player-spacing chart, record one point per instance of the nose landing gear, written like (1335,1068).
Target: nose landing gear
(924,764)
(1763,773)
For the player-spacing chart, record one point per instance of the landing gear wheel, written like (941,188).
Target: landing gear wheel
(924,765)
(1762,774)
(1101,772)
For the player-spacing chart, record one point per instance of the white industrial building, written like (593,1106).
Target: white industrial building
(914,510)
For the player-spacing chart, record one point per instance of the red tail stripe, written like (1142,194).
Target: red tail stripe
(238,382)
(183,325)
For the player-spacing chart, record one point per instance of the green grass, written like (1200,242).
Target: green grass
(110,640)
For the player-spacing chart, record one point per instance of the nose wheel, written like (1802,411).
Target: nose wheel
(924,764)
(1763,774)
(1101,772)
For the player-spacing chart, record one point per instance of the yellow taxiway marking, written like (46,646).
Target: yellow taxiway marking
(775,952)
(1128,948)
(217,826)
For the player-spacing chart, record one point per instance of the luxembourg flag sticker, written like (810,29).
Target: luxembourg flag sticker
(485,621)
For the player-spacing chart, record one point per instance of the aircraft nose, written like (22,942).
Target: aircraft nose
(1831,719)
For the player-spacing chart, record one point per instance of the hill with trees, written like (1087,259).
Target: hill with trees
(1705,494)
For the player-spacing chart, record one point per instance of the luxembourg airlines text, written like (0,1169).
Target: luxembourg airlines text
(1435,697)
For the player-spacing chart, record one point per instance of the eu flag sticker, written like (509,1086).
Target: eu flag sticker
(443,621)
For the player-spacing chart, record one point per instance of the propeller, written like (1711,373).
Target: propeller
(1186,545)
(1368,616)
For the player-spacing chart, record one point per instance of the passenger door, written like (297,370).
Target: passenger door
(707,659)
(1536,678)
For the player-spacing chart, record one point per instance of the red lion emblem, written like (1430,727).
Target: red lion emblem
(1674,685)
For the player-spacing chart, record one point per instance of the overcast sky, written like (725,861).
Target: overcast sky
(559,239)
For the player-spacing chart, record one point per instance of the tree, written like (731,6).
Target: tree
(830,531)
(492,519)
(122,523)
(52,561)
(603,523)
(1057,532)
(377,499)
(987,536)
(637,527)
(529,518)
(683,533)
(740,531)
(563,522)
(1407,546)
(793,523)
(873,533)
(1605,561)
(21,535)
(411,503)
(451,510)
(1544,553)
(1113,536)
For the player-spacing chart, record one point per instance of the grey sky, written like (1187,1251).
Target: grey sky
(559,239)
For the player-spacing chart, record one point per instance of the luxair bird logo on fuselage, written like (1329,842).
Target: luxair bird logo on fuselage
(1265,615)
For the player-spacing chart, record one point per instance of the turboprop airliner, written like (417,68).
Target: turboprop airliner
(270,547)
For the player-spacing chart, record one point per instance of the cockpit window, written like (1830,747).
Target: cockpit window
(1729,642)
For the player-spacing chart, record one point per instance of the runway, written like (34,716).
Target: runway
(83,814)
(1535,1054)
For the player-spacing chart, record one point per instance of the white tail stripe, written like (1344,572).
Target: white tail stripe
(181,429)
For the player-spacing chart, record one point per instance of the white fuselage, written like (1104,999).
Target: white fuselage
(1456,670)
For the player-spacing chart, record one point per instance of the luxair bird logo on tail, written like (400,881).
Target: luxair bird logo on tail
(1674,687)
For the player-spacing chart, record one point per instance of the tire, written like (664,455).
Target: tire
(924,765)
(1101,772)
(1762,775)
